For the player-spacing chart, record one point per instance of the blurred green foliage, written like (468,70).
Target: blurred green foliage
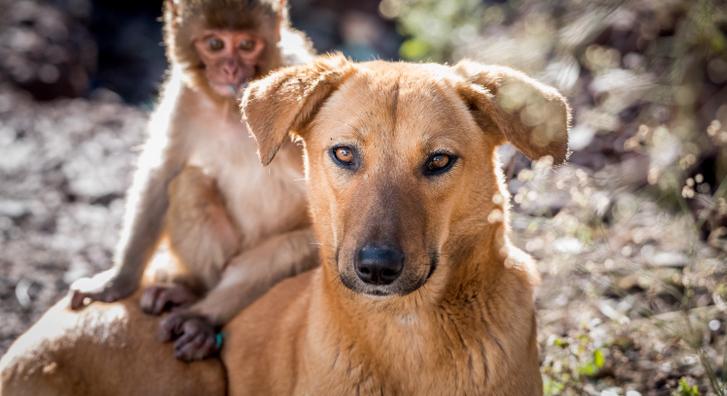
(434,27)
(685,389)
(645,78)
(578,357)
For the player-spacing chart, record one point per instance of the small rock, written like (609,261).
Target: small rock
(568,245)
(13,209)
(668,259)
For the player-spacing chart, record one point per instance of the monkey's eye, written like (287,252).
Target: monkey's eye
(344,156)
(246,45)
(439,163)
(215,44)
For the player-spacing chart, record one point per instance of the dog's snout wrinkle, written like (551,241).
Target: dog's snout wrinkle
(379,265)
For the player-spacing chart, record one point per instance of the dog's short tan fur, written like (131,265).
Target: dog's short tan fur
(459,320)
(106,349)
(470,327)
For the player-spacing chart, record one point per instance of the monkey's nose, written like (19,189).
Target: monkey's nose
(231,70)
(379,265)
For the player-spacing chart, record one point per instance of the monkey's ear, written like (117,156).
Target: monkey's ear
(283,12)
(173,8)
(287,100)
(533,116)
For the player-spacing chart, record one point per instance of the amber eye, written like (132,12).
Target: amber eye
(344,154)
(246,45)
(214,44)
(344,157)
(438,163)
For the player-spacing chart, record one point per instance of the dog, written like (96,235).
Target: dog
(419,289)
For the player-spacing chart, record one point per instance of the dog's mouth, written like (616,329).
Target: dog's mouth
(406,284)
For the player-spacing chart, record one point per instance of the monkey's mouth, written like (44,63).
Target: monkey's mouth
(230,90)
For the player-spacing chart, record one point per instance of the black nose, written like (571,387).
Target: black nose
(379,265)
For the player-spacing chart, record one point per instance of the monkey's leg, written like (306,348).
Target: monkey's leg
(247,276)
(201,236)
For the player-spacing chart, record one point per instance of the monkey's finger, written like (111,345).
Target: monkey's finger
(147,300)
(155,300)
(169,327)
(185,348)
(77,299)
(161,298)
(179,296)
(206,349)
(185,339)
(203,349)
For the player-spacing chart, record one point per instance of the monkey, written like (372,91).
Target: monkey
(233,226)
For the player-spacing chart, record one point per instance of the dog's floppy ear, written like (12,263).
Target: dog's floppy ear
(532,116)
(288,99)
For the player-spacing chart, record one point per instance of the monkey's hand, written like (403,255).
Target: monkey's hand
(106,286)
(160,298)
(195,336)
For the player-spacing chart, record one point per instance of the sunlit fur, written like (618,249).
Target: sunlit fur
(108,350)
(469,328)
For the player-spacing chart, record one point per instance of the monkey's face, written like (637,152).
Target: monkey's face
(230,59)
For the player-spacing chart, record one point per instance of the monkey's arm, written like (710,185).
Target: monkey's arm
(253,272)
(146,206)
(246,277)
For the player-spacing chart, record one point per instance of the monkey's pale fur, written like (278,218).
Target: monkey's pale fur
(235,226)
(266,206)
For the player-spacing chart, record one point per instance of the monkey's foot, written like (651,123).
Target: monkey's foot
(160,298)
(106,286)
(195,337)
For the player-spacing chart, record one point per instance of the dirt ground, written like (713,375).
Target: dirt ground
(631,299)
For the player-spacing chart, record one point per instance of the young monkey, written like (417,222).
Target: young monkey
(235,227)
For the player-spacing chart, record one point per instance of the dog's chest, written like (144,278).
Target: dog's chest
(411,354)
(413,375)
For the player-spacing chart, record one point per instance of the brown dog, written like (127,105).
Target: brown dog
(419,291)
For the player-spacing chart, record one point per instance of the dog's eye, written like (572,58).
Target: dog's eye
(344,156)
(438,163)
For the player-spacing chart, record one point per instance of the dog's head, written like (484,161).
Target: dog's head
(400,158)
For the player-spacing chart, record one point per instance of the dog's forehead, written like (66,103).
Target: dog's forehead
(397,97)
(412,78)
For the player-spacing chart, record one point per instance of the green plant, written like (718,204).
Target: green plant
(685,389)
(573,360)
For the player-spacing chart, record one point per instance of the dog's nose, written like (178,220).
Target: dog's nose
(379,265)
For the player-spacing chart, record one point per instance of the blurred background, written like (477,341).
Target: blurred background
(631,236)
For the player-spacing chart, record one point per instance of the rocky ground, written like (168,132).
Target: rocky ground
(631,298)
(64,167)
